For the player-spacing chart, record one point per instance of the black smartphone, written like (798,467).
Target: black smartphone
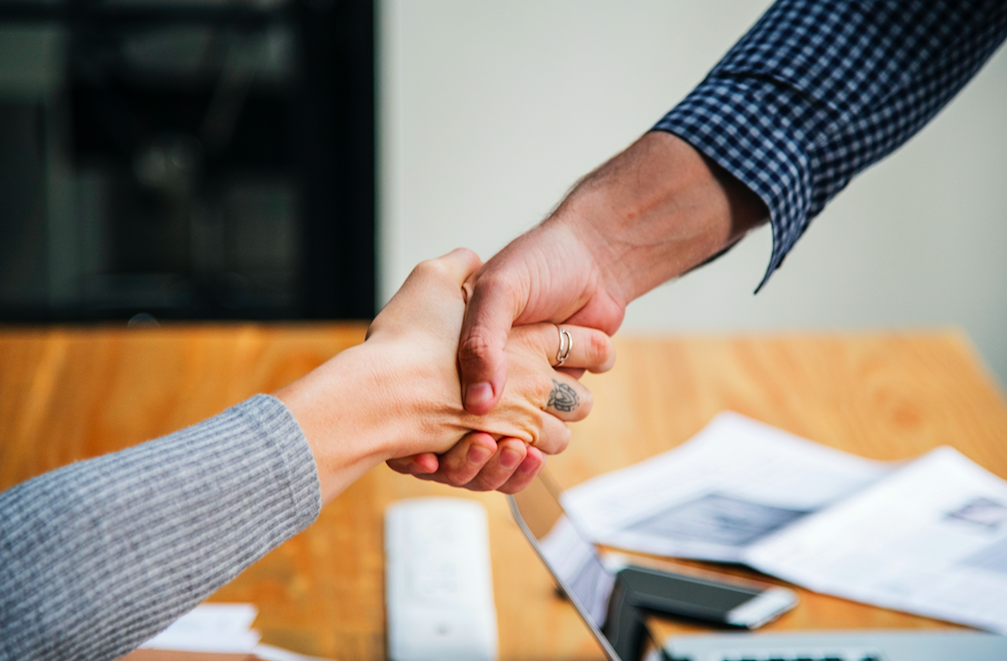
(717,600)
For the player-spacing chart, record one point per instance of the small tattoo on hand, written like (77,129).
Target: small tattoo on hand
(563,397)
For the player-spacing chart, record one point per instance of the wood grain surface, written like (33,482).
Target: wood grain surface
(71,393)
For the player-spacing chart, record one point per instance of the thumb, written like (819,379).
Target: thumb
(489,315)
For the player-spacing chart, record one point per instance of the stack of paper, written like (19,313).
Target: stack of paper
(223,629)
(219,628)
(927,536)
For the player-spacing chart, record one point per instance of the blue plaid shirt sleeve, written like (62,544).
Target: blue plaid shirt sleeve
(819,90)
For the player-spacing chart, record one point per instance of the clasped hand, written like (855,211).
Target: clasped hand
(396,397)
(504,448)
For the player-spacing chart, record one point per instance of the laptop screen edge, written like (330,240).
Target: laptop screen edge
(581,610)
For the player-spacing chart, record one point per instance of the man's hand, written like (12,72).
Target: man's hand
(548,274)
(651,213)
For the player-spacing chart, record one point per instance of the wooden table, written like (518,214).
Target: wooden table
(68,394)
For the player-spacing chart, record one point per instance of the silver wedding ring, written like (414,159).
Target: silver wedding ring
(565,346)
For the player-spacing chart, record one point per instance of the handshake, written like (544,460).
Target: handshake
(398,397)
(460,379)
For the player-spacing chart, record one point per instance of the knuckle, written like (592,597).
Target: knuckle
(455,478)
(498,286)
(599,348)
(467,254)
(491,278)
(543,390)
(556,440)
(429,268)
(476,349)
(562,440)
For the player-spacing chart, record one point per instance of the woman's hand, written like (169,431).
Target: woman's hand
(397,395)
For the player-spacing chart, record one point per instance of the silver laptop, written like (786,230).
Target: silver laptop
(623,634)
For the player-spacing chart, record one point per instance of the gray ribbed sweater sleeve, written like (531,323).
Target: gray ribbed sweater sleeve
(100,555)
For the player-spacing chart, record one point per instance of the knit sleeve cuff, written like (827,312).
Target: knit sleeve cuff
(279,428)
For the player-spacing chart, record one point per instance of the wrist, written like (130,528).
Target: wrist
(341,412)
(655,211)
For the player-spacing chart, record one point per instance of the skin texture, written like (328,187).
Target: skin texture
(651,213)
(396,395)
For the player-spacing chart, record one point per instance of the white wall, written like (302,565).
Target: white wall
(492,110)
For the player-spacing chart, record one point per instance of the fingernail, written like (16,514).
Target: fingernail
(529,465)
(478,455)
(478,394)
(510,458)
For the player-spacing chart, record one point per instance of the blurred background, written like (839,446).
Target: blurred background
(293,159)
(186,159)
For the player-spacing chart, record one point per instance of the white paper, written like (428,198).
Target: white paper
(931,539)
(220,628)
(734,483)
(270,653)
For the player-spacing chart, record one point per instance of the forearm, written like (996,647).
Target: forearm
(655,211)
(100,555)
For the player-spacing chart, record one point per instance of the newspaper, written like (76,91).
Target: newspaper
(927,536)
(931,539)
